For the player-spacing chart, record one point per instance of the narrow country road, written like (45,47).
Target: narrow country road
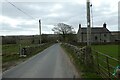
(53,62)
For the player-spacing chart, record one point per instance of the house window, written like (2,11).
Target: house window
(105,35)
(96,37)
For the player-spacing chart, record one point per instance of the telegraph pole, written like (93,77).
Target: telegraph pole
(89,57)
(88,24)
(40,31)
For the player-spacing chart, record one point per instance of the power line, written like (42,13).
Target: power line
(20,10)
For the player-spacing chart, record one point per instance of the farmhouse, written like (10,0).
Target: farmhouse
(115,36)
(98,34)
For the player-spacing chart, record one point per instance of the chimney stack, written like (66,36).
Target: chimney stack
(104,25)
(79,26)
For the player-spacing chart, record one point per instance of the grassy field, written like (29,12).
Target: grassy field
(10,54)
(111,50)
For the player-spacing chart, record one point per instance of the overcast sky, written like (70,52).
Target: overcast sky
(71,12)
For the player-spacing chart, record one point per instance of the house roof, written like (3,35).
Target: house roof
(95,30)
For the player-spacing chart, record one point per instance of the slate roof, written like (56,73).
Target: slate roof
(95,30)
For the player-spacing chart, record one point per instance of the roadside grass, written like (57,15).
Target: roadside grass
(10,54)
(84,71)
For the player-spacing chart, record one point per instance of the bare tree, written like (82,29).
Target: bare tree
(63,29)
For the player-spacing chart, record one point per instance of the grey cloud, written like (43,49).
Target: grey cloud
(7,27)
(70,13)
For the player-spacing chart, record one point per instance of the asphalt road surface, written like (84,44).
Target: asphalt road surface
(53,62)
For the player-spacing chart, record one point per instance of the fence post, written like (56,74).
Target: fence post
(97,63)
(108,66)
